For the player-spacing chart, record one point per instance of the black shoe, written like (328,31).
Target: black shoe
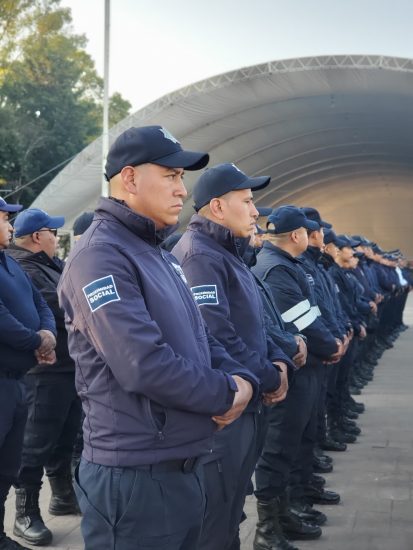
(296,529)
(343,437)
(321,466)
(351,415)
(330,444)
(9,544)
(320,496)
(63,500)
(29,524)
(359,408)
(318,481)
(307,513)
(269,534)
(348,426)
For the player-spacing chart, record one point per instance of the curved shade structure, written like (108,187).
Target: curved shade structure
(333,132)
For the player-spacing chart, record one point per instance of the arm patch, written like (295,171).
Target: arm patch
(100,292)
(205,295)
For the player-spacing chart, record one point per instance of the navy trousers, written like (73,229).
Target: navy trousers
(139,509)
(288,450)
(227,479)
(13,414)
(53,423)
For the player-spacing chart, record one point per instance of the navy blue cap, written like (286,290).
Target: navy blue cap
(331,237)
(313,214)
(264,211)
(151,144)
(377,249)
(260,230)
(288,218)
(222,179)
(82,222)
(31,220)
(348,241)
(4,207)
(363,240)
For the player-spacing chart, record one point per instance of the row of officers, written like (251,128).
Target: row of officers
(198,359)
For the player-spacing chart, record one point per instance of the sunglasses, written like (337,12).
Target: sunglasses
(54,231)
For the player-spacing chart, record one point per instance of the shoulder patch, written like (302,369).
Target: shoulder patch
(205,294)
(100,292)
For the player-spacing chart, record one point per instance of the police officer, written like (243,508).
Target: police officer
(54,407)
(210,253)
(27,335)
(143,357)
(287,456)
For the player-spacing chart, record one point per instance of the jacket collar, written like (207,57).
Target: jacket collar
(220,234)
(19,252)
(313,253)
(139,225)
(272,248)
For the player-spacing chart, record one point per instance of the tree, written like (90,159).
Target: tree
(50,95)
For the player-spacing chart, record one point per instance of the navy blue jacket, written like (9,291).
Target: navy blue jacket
(310,263)
(347,296)
(230,300)
(292,294)
(23,312)
(143,356)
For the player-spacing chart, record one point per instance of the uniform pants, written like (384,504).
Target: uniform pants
(227,479)
(139,509)
(288,450)
(13,414)
(53,421)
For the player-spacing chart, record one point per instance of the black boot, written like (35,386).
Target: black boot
(29,524)
(315,495)
(269,535)
(307,513)
(294,526)
(63,500)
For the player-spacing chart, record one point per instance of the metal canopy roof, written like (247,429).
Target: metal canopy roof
(334,132)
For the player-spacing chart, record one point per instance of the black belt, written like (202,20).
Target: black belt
(185,465)
(15,375)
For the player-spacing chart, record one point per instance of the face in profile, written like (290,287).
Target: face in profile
(238,212)
(6,230)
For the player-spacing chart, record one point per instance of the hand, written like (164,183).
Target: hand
(241,400)
(373,307)
(336,357)
(46,359)
(48,342)
(363,332)
(300,358)
(271,398)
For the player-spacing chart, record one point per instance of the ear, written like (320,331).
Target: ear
(35,237)
(294,236)
(216,207)
(127,175)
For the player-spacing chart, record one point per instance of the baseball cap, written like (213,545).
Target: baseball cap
(4,207)
(313,214)
(264,211)
(151,144)
(348,241)
(82,222)
(288,218)
(221,179)
(33,219)
(331,237)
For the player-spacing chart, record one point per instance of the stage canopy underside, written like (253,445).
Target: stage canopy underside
(333,132)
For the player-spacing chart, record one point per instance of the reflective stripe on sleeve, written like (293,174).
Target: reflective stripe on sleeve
(306,320)
(296,311)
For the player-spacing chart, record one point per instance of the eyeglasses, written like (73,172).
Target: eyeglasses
(54,231)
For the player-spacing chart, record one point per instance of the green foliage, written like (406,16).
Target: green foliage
(50,93)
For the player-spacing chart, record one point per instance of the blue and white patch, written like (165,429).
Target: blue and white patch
(205,294)
(168,135)
(101,292)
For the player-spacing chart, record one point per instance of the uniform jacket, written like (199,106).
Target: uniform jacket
(143,356)
(45,274)
(292,294)
(230,300)
(325,301)
(23,312)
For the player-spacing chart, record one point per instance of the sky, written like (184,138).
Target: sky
(158,46)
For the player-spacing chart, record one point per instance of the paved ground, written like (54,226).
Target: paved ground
(374,477)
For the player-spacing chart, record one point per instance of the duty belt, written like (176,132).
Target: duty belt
(185,465)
